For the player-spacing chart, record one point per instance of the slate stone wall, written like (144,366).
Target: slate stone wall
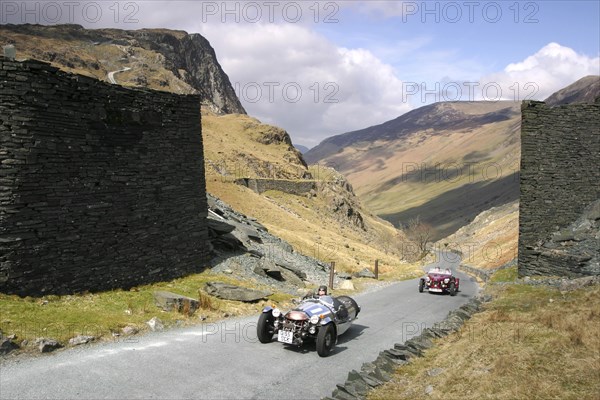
(100,186)
(287,186)
(560,177)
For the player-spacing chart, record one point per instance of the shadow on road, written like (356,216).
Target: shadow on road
(352,333)
(310,346)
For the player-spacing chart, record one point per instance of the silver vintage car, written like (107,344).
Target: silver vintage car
(321,318)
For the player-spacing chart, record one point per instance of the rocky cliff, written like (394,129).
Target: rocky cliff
(160,59)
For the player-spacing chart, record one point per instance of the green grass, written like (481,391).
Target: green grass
(505,275)
(102,314)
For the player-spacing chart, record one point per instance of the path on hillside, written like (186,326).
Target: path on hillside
(225,360)
(111,75)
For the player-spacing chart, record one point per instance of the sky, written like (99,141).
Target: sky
(322,68)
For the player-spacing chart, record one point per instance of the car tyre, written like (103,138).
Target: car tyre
(265,329)
(325,340)
(421,285)
(452,289)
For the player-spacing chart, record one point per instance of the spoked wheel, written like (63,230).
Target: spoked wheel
(265,328)
(325,340)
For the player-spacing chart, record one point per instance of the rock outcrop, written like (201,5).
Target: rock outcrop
(157,58)
(244,248)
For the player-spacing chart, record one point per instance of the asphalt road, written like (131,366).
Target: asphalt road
(225,360)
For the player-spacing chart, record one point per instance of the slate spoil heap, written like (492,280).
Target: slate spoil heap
(245,249)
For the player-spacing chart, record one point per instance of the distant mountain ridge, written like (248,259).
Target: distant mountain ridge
(438,116)
(584,90)
(445,162)
(160,59)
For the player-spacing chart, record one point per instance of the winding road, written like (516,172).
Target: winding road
(225,360)
(111,75)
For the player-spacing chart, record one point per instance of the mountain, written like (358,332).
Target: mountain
(160,59)
(301,149)
(444,163)
(585,90)
(328,222)
(436,117)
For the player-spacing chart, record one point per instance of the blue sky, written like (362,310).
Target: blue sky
(320,68)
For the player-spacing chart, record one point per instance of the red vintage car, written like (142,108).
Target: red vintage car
(438,281)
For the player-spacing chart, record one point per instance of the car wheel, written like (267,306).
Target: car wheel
(452,289)
(421,285)
(325,340)
(265,329)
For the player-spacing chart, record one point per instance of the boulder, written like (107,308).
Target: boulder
(347,285)
(269,269)
(129,330)
(47,345)
(249,233)
(219,227)
(155,324)
(291,267)
(365,273)
(81,339)
(231,292)
(7,345)
(228,242)
(171,301)
(343,275)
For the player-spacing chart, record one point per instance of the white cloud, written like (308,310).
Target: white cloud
(538,76)
(293,77)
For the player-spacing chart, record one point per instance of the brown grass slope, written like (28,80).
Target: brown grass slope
(529,343)
(239,146)
(445,162)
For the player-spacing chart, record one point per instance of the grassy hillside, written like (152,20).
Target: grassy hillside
(446,173)
(240,146)
(490,241)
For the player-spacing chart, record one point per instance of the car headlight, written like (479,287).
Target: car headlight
(314,319)
(447,280)
(276,312)
(428,279)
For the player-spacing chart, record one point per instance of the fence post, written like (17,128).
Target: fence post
(376,269)
(331,272)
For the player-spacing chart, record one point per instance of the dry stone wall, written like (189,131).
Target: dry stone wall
(560,180)
(260,186)
(100,186)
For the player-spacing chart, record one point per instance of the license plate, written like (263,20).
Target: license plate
(435,290)
(285,336)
